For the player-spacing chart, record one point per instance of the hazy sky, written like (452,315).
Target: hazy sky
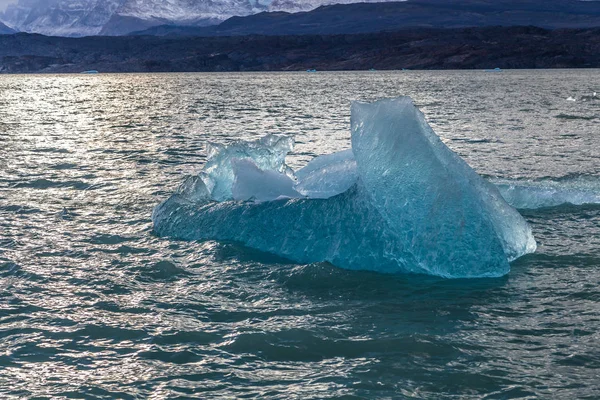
(4,3)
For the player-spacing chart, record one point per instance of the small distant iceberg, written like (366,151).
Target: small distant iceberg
(593,97)
(311,70)
(494,70)
(398,201)
(90,72)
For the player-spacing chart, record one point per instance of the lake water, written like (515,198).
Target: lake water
(93,305)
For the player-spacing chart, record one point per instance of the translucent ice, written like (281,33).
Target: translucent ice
(267,153)
(252,183)
(327,175)
(529,194)
(398,201)
(430,197)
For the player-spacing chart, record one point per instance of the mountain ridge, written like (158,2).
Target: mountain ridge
(117,17)
(390,16)
(5,30)
(279,17)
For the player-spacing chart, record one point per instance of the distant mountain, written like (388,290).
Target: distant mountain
(377,17)
(135,14)
(118,17)
(60,17)
(5,30)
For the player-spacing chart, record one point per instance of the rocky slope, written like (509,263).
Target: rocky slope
(467,48)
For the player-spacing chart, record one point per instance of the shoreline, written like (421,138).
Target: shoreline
(422,49)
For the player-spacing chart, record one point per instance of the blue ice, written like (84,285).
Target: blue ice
(399,201)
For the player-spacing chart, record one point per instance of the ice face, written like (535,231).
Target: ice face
(399,201)
(430,197)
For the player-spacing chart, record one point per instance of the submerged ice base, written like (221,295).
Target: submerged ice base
(399,201)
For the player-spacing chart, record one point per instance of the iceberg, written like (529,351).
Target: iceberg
(398,201)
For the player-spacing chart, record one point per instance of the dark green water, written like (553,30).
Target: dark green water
(93,305)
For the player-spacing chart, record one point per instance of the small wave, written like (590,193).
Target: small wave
(305,345)
(9,269)
(570,116)
(101,332)
(225,252)
(163,270)
(178,337)
(19,209)
(62,166)
(13,270)
(591,361)
(127,250)
(172,357)
(49,184)
(108,239)
(473,140)
(51,150)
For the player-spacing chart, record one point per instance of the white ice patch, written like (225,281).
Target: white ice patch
(252,183)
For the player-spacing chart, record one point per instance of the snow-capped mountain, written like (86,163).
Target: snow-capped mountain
(116,17)
(60,17)
(293,6)
(4,30)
